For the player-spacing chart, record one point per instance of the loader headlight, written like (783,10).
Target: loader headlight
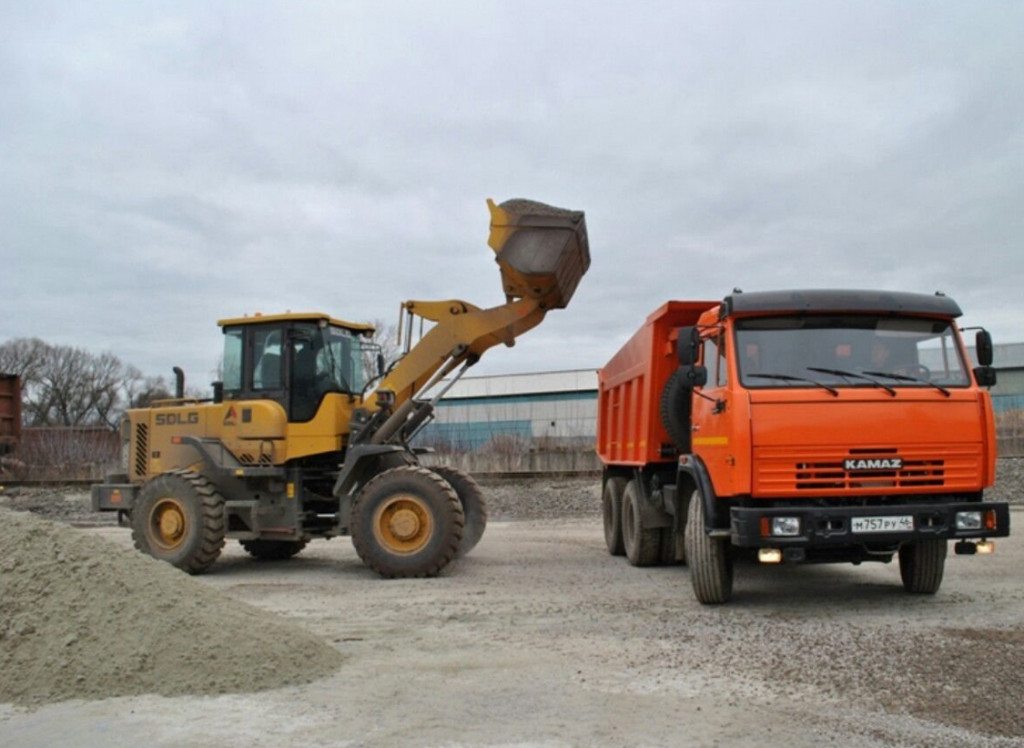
(968,520)
(786,526)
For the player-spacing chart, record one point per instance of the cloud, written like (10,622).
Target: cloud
(165,165)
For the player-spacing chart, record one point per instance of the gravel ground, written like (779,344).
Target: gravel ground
(540,638)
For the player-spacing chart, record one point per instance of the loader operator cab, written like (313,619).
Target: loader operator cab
(292,359)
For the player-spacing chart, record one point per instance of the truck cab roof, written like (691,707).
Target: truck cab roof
(840,300)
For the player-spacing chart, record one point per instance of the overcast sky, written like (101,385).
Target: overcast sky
(167,164)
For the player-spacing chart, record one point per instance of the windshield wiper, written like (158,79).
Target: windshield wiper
(906,378)
(855,375)
(790,378)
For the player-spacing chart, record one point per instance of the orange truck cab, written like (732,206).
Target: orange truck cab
(799,427)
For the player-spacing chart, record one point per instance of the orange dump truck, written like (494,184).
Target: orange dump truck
(799,427)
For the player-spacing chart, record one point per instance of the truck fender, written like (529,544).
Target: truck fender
(693,474)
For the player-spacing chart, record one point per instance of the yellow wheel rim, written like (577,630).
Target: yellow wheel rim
(168,524)
(403,524)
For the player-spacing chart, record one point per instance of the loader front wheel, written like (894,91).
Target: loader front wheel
(474,507)
(272,550)
(407,522)
(179,518)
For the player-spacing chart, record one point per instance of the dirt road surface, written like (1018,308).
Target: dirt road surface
(540,638)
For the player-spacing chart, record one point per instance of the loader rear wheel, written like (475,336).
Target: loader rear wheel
(179,518)
(922,564)
(642,544)
(407,522)
(272,550)
(611,511)
(474,507)
(708,558)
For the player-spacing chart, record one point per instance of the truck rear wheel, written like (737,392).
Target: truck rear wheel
(642,545)
(611,512)
(474,507)
(708,558)
(179,518)
(407,522)
(272,550)
(922,564)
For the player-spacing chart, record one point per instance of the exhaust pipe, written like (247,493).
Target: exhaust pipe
(179,383)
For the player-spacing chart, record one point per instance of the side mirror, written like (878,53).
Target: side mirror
(983,347)
(380,364)
(688,345)
(694,376)
(985,376)
(218,391)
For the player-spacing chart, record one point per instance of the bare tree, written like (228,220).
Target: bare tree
(384,341)
(68,386)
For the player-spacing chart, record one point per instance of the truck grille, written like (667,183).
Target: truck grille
(781,472)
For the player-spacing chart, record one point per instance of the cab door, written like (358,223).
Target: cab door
(715,408)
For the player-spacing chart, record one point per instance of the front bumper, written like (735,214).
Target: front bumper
(823,527)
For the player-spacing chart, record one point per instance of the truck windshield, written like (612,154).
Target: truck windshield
(848,351)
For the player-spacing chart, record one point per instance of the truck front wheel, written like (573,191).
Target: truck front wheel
(922,564)
(709,558)
(642,544)
(179,518)
(407,522)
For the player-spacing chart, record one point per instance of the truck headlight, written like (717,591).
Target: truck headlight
(786,526)
(968,520)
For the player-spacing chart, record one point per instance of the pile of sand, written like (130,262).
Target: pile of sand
(83,618)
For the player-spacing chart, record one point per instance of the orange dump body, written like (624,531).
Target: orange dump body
(629,429)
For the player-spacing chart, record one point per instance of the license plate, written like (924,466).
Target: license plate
(882,524)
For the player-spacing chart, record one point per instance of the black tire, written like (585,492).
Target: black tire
(611,512)
(642,545)
(272,550)
(179,518)
(922,564)
(474,507)
(674,409)
(407,522)
(709,558)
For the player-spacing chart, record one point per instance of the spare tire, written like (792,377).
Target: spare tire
(675,406)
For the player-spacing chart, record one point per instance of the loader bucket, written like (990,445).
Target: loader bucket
(542,250)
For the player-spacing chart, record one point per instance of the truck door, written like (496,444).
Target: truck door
(713,415)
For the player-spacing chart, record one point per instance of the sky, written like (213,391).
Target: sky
(164,165)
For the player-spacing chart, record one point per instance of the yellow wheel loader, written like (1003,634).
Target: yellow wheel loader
(294,445)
